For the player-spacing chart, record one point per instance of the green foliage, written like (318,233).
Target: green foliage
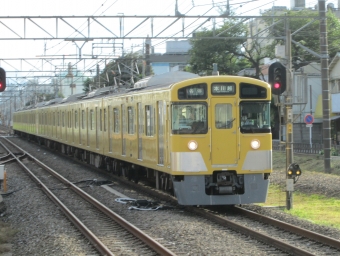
(86,84)
(205,51)
(334,152)
(308,36)
(232,54)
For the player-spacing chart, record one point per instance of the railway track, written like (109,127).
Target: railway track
(280,236)
(107,231)
(283,236)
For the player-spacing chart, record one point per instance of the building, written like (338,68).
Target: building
(69,82)
(175,57)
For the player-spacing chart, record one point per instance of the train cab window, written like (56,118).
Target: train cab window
(255,117)
(189,118)
(223,116)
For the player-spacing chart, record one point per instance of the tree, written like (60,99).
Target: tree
(87,83)
(308,36)
(231,55)
(204,52)
(124,71)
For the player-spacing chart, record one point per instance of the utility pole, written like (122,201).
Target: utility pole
(289,122)
(147,56)
(325,86)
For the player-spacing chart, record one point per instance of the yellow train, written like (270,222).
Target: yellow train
(208,139)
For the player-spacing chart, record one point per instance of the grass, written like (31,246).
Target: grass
(317,209)
(313,163)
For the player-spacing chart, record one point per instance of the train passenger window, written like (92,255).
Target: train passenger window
(255,117)
(83,119)
(223,116)
(149,120)
(140,119)
(63,119)
(105,120)
(58,118)
(100,120)
(116,119)
(91,119)
(75,119)
(189,118)
(131,118)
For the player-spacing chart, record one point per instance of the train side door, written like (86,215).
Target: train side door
(223,131)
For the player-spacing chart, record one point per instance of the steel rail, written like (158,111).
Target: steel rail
(252,233)
(291,228)
(83,229)
(157,247)
(228,223)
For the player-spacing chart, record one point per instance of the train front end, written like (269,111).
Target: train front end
(220,141)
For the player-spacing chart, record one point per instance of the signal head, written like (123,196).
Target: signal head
(277,78)
(293,171)
(2,79)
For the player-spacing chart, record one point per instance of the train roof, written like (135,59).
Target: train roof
(151,82)
(165,79)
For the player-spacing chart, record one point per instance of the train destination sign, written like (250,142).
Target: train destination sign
(223,88)
(196,91)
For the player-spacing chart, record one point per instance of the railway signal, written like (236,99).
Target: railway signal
(2,79)
(277,78)
(293,171)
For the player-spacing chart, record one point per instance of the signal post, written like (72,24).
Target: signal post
(279,78)
(289,126)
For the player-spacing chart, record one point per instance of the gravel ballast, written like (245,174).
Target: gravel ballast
(43,230)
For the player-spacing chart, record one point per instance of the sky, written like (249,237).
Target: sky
(25,49)
(115,7)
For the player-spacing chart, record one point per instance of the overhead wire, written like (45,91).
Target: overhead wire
(80,29)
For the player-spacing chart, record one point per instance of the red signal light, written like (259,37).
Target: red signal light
(2,79)
(277,85)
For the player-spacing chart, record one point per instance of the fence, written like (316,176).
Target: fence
(304,148)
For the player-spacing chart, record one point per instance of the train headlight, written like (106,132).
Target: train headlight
(192,145)
(255,144)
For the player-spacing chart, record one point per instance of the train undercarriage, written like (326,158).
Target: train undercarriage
(220,188)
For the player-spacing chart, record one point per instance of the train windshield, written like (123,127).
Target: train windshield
(189,118)
(255,117)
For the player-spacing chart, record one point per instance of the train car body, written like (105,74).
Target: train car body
(206,138)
